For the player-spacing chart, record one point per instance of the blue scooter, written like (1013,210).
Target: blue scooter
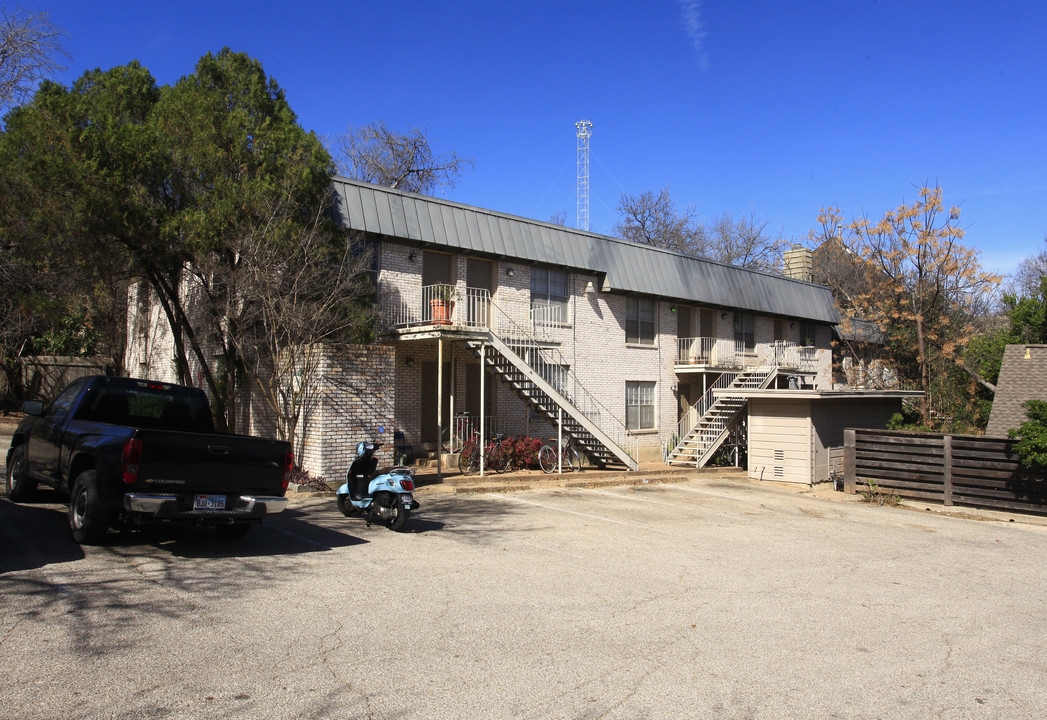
(382,495)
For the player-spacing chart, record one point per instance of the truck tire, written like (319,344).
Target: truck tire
(19,487)
(88,517)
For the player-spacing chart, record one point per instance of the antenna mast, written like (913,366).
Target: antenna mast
(584,128)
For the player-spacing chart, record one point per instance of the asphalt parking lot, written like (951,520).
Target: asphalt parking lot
(705,598)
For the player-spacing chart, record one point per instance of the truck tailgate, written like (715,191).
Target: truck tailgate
(189,462)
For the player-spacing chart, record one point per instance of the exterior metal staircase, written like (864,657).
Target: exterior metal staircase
(540,376)
(707,424)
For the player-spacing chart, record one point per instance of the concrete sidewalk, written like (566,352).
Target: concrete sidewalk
(651,472)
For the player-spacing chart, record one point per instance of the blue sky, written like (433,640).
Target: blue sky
(772,107)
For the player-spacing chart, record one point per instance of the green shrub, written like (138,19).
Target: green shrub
(1031,435)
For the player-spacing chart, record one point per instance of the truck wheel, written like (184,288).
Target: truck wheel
(19,487)
(232,532)
(88,516)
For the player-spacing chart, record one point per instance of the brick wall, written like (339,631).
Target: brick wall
(354,395)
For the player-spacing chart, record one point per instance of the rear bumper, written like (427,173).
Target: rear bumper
(180,507)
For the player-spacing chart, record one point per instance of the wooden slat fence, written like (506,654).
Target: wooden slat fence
(966,470)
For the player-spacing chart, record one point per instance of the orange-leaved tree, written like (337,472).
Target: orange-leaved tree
(918,283)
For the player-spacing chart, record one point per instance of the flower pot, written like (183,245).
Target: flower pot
(441,311)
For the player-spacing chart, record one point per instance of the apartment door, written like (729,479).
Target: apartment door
(479,276)
(684,322)
(472,393)
(436,269)
(685,340)
(707,329)
(690,393)
(427,406)
(779,329)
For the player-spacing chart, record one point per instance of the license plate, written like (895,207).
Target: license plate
(408,499)
(209,502)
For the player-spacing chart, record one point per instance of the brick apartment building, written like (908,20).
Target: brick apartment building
(636,352)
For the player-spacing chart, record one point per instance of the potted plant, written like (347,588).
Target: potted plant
(441,302)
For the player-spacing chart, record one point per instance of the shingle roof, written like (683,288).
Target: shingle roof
(624,266)
(1023,376)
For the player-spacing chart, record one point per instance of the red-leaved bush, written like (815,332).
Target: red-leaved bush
(524,451)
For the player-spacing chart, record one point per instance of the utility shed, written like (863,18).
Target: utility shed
(797,435)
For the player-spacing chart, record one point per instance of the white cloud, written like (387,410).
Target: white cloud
(694,26)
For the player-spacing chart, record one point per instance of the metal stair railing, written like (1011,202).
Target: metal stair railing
(550,372)
(696,412)
(713,434)
(706,439)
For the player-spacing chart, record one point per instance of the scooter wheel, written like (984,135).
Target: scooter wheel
(347,508)
(400,521)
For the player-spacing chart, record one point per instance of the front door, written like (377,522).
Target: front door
(472,392)
(427,404)
(479,277)
(686,352)
(690,393)
(436,269)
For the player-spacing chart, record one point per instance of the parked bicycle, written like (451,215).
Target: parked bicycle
(496,456)
(566,456)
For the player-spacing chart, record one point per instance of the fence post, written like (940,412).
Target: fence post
(947,470)
(849,461)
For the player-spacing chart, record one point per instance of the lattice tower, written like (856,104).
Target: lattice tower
(585,130)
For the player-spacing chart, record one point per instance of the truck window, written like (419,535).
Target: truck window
(57,409)
(149,406)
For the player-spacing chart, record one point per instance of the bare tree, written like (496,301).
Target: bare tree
(559,218)
(374,153)
(294,293)
(1027,280)
(746,242)
(648,219)
(30,46)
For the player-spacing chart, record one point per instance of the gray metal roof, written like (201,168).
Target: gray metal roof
(624,266)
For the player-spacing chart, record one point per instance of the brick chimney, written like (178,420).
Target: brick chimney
(797,261)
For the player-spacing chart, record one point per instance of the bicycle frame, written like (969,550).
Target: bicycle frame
(472,456)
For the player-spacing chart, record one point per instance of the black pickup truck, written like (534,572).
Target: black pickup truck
(132,451)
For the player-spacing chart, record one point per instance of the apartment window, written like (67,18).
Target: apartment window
(639,320)
(745,330)
(549,290)
(639,405)
(554,374)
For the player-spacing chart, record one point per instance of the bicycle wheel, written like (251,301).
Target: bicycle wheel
(469,459)
(547,459)
(499,458)
(507,458)
(572,458)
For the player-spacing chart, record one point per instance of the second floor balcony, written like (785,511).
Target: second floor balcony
(702,354)
(449,308)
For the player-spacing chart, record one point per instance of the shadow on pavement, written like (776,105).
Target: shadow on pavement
(33,536)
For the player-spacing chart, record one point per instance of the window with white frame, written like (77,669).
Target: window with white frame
(639,405)
(554,374)
(549,295)
(639,320)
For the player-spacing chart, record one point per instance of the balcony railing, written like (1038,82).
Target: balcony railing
(732,354)
(451,307)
